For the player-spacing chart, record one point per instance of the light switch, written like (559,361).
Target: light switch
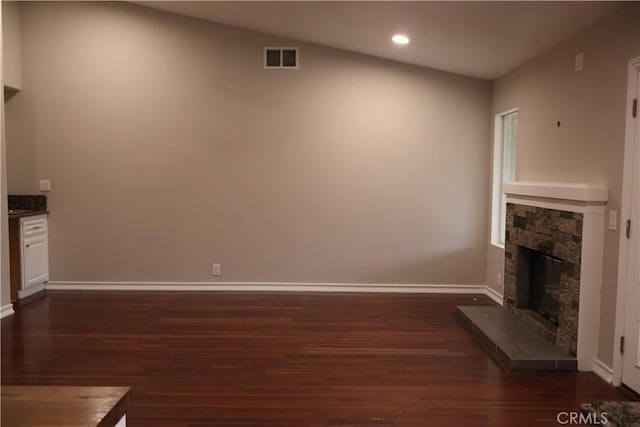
(613,220)
(45,185)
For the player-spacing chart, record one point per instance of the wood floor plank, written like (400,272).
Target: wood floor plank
(282,359)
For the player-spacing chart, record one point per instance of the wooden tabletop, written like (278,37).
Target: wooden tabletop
(26,406)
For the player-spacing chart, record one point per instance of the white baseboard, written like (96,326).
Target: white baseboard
(272,287)
(493,294)
(6,310)
(33,289)
(603,371)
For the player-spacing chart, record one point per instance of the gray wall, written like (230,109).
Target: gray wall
(589,144)
(169,147)
(11,44)
(5,289)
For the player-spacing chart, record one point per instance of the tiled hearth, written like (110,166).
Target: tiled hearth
(562,224)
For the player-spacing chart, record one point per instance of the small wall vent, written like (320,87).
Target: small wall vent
(281,57)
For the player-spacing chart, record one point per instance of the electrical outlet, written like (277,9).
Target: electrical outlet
(215,269)
(45,185)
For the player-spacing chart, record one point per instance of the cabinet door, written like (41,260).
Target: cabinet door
(35,261)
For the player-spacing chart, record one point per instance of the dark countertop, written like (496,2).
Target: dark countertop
(13,214)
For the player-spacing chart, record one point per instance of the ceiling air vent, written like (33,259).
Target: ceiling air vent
(281,57)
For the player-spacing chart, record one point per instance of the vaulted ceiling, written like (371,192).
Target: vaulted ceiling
(479,39)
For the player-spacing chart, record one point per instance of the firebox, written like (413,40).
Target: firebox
(538,283)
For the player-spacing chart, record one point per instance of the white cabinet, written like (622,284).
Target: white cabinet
(35,261)
(34,251)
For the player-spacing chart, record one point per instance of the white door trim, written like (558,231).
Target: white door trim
(625,211)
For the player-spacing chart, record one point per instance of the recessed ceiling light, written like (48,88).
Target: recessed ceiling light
(400,39)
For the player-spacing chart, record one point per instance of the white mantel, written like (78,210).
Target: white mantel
(590,199)
(592,193)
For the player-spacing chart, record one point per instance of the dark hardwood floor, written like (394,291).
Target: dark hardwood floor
(294,359)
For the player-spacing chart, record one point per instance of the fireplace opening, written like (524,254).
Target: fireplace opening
(538,283)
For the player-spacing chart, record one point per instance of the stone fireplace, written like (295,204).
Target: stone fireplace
(553,262)
(536,238)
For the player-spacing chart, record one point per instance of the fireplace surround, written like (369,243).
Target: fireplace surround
(557,235)
(560,226)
